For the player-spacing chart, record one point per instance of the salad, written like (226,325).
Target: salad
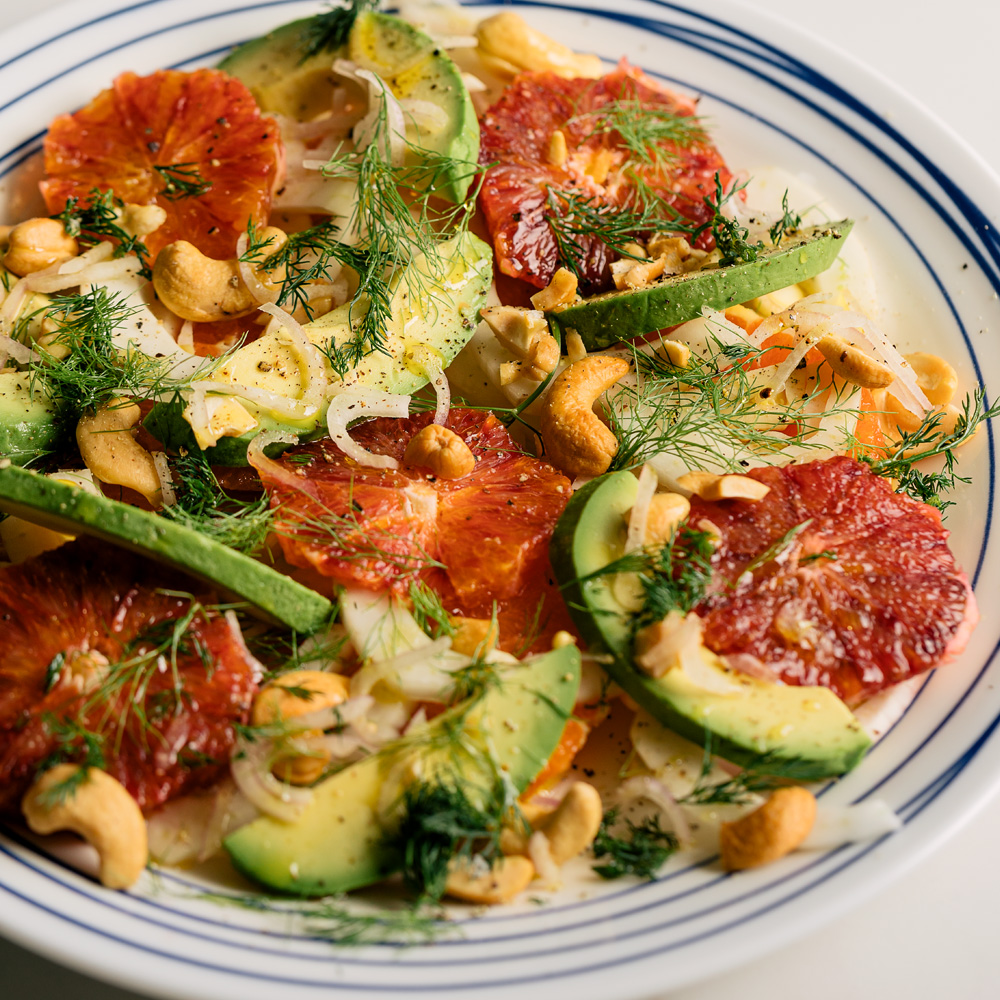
(393,412)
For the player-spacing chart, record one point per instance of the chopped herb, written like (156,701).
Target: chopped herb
(182,180)
(54,671)
(931,440)
(642,850)
(328,31)
(99,221)
(778,548)
(816,556)
(429,612)
(202,504)
(788,223)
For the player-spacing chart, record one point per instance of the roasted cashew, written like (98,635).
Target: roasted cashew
(853,365)
(202,289)
(710,486)
(666,512)
(560,291)
(141,220)
(937,378)
(37,244)
(770,832)
(576,350)
(525,333)
(441,450)
(113,455)
(473,635)
(633,274)
(313,690)
(508,38)
(99,810)
(505,879)
(572,827)
(575,438)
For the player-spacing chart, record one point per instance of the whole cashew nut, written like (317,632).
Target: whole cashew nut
(113,455)
(37,244)
(770,832)
(854,365)
(505,879)
(575,438)
(100,810)
(572,827)
(202,289)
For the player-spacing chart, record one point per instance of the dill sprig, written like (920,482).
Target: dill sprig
(777,548)
(709,414)
(100,220)
(328,31)
(787,224)
(932,439)
(182,180)
(332,918)
(441,825)
(396,218)
(740,788)
(642,850)
(95,370)
(674,576)
(203,505)
(572,215)
(428,611)
(74,742)
(651,134)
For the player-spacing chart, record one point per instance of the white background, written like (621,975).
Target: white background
(935,933)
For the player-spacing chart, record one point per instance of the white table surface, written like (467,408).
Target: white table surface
(934,933)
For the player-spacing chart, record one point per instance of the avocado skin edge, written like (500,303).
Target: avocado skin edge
(609,318)
(643,689)
(70,509)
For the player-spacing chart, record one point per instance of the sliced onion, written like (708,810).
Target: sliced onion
(635,537)
(248,275)
(250,767)
(93,274)
(280,406)
(425,115)
(777,381)
(839,825)
(275,470)
(655,791)
(316,380)
(380,97)
(196,414)
(162,466)
(185,337)
(340,746)
(12,303)
(421,674)
(97,254)
(354,404)
(338,715)
(429,366)
(21,353)
(473,84)
(82,479)
(237,633)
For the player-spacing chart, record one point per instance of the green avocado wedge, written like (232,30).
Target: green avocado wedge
(30,422)
(286,80)
(807,733)
(339,843)
(606,319)
(74,511)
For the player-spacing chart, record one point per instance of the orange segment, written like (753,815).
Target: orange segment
(205,119)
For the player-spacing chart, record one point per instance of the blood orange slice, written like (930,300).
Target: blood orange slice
(163,725)
(860,590)
(516,139)
(477,540)
(203,124)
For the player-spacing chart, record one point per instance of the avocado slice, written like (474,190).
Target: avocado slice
(410,62)
(606,319)
(339,844)
(71,510)
(30,422)
(434,308)
(808,733)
